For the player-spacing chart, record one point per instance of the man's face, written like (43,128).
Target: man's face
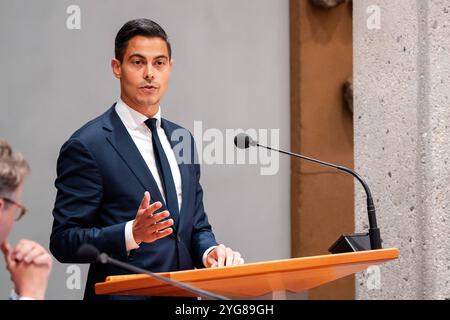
(144,72)
(8,213)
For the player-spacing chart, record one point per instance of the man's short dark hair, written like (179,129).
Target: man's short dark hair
(138,27)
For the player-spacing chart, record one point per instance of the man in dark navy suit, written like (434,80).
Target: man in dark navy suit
(121,185)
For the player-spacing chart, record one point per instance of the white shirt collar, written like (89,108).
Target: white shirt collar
(132,118)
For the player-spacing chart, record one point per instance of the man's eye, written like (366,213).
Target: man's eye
(136,62)
(160,62)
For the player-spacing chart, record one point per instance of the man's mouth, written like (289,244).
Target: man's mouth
(149,88)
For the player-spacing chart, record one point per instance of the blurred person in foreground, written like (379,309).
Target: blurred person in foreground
(28,262)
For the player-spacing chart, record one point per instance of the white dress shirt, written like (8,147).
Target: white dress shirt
(142,138)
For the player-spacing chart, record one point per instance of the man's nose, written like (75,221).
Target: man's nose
(149,72)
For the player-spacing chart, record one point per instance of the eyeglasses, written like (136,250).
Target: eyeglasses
(21,210)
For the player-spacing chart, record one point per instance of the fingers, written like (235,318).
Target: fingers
(222,256)
(29,251)
(229,257)
(160,230)
(43,259)
(163,233)
(148,225)
(31,256)
(237,258)
(157,221)
(151,208)
(233,258)
(162,225)
(145,201)
(158,217)
(154,227)
(23,248)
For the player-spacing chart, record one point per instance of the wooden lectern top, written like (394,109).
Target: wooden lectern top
(252,279)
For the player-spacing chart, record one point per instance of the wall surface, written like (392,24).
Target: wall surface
(402,142)
(231,70)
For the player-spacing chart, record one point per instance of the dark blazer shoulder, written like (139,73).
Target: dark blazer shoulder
(91,131)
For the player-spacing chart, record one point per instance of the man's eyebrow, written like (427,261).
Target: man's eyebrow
(162,56)
(138,55)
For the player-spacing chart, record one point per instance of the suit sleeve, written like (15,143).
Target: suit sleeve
(78,201)
(202,234)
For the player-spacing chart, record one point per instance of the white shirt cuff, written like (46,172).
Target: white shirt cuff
(130,243)
(15,296)
(207,251)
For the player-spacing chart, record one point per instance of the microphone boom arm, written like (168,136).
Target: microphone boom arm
(104,259)
(374,231)
(87,253)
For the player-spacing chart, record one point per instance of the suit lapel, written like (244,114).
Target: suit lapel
(182,165)
(122,142)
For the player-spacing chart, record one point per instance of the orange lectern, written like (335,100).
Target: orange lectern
(253,279)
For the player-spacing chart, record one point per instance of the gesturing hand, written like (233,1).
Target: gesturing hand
(149,227)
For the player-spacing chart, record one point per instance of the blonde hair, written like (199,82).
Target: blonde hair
(13,169)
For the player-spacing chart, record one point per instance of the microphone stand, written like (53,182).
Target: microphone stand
(347,242)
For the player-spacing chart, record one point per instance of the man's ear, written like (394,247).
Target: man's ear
(170,66)
(116,68)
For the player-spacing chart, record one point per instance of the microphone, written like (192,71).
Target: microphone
(89,254)
(347,242)
(243,141)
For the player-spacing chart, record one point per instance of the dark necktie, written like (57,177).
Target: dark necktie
(164,172)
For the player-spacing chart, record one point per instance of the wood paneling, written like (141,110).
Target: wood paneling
(322,200)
